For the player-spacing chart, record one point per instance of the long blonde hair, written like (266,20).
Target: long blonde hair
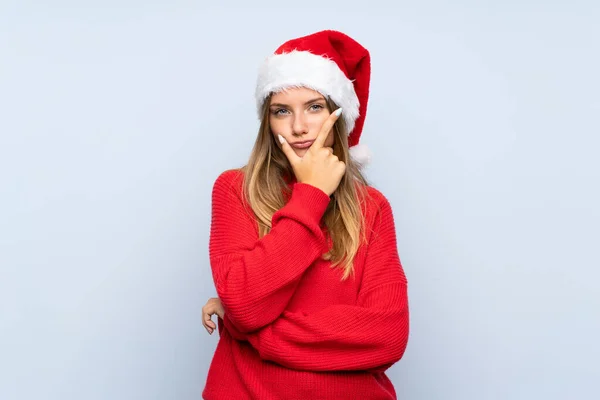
(265,185)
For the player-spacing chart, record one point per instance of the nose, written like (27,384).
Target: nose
(299,126)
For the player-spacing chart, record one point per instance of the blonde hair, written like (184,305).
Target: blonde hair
(265,184)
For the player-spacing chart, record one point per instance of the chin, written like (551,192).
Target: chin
(300,152)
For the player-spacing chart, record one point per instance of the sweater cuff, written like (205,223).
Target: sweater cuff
(312,200)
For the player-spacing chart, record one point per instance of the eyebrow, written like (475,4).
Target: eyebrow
(307,103)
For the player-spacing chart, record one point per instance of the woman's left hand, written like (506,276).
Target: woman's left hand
(213,306)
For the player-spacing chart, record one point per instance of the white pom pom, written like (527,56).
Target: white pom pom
(361,154)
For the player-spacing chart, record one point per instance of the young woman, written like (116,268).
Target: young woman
(312,298)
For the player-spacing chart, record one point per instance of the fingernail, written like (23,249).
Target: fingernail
(338,112)
(281,139)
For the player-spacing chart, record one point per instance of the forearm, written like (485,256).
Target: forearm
(256,279)
(337,338)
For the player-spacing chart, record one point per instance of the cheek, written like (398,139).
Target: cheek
(277,127)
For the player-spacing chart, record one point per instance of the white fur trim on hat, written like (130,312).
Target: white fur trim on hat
(361,154)
(304,69)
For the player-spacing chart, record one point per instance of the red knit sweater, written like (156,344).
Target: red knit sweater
(293,329)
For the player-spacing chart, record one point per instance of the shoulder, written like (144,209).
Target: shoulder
(377,210)
(230,176)
(375,201)
(229,182)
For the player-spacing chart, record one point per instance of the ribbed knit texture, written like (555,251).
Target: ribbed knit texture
(292,328)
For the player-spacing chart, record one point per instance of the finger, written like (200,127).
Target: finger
(327,125)
(211,324)
(330,149)
(205,325)
(208,324)
(207,318)
(288,151)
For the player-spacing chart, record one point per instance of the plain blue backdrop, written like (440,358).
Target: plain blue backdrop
(117,116)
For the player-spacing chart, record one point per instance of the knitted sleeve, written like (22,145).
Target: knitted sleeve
(371,335)
(255,278)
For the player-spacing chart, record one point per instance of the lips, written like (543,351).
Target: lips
(302,145)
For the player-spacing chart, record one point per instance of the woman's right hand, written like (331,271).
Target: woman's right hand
(213,306)
(319,167)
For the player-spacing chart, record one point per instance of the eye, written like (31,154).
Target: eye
(280,111)
(316,107)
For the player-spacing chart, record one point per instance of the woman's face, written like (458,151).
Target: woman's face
(297,114)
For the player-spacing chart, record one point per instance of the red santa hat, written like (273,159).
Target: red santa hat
(330,63)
